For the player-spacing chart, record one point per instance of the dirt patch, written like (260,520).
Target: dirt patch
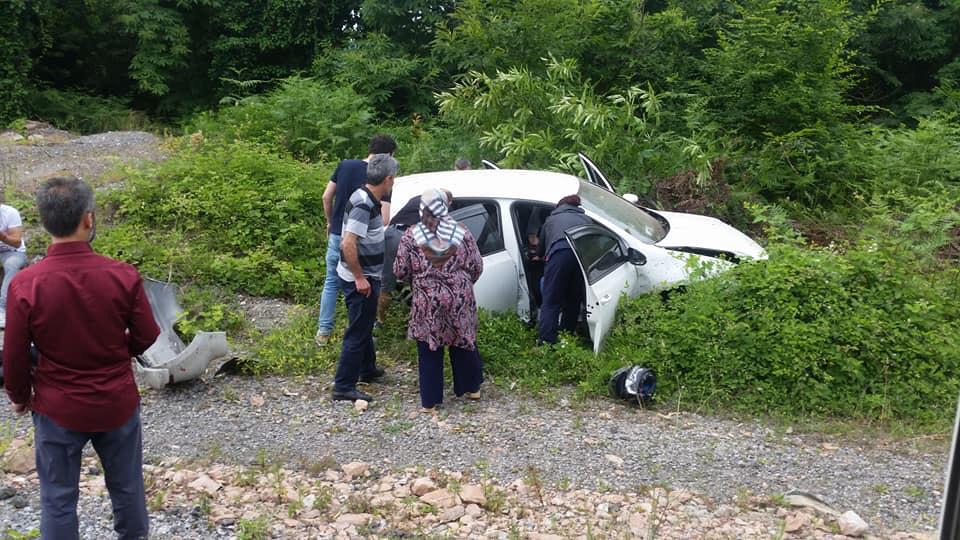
(46,152)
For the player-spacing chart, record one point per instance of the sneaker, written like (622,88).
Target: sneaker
(473,395)
(321,340)
(351,395)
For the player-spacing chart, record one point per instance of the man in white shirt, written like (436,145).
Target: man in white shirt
(13,252)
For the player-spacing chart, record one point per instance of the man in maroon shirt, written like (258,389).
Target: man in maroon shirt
(87,315)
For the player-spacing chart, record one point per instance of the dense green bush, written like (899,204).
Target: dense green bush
(542,121)
(810,332)
(83,113)
(308,118)
(236,215)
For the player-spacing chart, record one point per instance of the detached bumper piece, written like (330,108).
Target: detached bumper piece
(169,360)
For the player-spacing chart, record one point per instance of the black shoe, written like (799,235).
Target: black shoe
(351,395)
(375,376)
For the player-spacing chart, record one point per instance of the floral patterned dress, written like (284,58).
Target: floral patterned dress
(444,310)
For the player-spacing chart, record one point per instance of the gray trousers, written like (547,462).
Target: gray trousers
(59,450)
(12,262)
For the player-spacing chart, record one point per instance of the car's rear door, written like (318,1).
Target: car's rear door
(498,286)
(607,273)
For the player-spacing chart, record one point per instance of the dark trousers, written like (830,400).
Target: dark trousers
(58,467)
(358,356)
(562,294)
(467,372)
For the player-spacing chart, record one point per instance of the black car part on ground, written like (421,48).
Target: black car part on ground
(634,383)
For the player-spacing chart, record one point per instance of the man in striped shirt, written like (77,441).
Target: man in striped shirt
(360,269)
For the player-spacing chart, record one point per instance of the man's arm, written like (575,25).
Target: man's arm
(385,212)
(12,236)
(351,258)
(328,195)
(143,328)
(16,353)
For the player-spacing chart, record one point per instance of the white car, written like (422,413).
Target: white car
(627,250)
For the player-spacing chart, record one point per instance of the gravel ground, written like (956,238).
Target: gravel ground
(59,153)
(569,443)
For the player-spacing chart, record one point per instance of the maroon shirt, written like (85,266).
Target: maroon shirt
(88,315)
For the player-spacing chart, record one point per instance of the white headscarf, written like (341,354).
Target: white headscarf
(449,233)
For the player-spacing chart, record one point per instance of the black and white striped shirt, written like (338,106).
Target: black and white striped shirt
(362,218)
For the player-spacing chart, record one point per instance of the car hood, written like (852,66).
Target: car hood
(707,234)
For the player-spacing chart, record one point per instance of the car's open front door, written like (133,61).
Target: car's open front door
(594,174)
(608,272)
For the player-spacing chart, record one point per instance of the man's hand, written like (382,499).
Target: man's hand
(363,286)
(19,409)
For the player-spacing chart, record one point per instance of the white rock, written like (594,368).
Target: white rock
(472,493)
(422,486)
(851,524)
(361,405)
(796,521)
(205,484)
(452,514)
(354,519)
(355,469)
(615,459)
(440,498)
(21,460)
(473,510)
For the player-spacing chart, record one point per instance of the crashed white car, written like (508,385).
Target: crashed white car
(627,250)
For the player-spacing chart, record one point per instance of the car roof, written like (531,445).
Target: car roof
(543,186)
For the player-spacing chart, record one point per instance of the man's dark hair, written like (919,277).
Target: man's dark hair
(572,200)
(382,144)
(62,202)
(462,164)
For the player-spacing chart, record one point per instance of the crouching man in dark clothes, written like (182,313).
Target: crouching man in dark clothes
(87,315)
(562,278)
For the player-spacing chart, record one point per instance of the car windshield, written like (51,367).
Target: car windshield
(633,220)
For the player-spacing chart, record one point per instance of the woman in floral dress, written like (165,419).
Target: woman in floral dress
(439,257)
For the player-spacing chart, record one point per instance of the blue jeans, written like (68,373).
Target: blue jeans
(467,372)
(331,286)
(358,356)
(58,452)
(12,262)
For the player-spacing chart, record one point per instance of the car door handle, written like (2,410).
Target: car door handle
(604,299)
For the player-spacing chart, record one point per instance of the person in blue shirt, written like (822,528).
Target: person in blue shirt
(349,176)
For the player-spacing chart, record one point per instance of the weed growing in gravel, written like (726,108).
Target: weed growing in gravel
(496,499)
(278,477)
(252,529)
(915,492)
(398,427)
(203,504)
(880,489)
(13,534)
(324,497)
(294,507)
(531,478)
(229,394)
(245,478)
(564,484)
(744,498)
(158,501)
(318,467)
(358,504)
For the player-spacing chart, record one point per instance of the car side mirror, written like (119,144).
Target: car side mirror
(631,198)
(635,257)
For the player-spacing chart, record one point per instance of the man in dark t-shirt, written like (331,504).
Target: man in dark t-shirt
(348,177)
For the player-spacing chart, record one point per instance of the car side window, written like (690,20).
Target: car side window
(482,219)
(599,253)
